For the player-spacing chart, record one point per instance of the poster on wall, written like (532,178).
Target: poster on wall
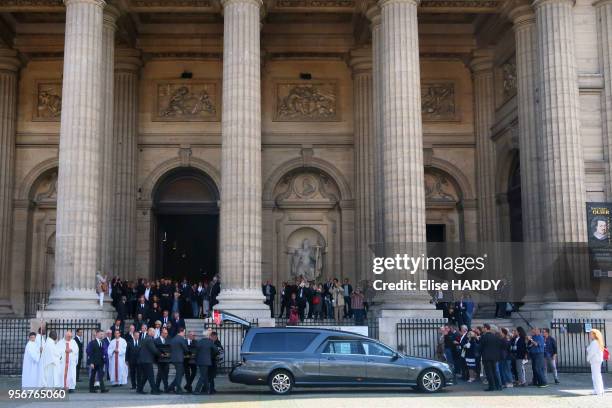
(599,221)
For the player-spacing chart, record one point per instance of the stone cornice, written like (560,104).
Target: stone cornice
(599,3)
(540,3)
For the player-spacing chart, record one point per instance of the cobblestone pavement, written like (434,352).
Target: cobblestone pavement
(574,391)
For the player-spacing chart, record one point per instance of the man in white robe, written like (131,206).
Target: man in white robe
(49,362)
(118,369)
(31,359)
(65,374)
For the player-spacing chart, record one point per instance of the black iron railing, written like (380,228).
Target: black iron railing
(572,340)
(419,337)
(13,338)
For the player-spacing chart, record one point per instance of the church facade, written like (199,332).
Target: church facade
(265,140)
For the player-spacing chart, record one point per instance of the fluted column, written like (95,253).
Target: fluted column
(241,230)
(107,160)
(402,142)
(373,15)
(363,103)
(604,17)
(78,208)
(125,143)
(9,66)
(484,107)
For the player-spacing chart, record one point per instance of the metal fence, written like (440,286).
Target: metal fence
(34,301)
(231,336)
(572,340)
(419,337)
(61,326)
(13,338)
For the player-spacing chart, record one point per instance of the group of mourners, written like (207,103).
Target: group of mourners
(498,356)
(117,356)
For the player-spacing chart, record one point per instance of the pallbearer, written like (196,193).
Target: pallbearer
(65,373)
(118,369)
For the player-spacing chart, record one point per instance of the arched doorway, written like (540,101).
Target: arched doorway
(186,225)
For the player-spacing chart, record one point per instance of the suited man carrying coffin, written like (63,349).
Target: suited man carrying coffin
(205,354)
(178,348)
(146,357)
(95,360)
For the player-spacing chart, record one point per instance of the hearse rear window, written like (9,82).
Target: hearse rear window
(282,342)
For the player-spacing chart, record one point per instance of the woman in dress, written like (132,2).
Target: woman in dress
(595,358)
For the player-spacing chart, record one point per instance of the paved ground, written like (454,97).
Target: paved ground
(573,392)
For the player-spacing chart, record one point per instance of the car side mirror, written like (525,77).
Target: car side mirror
(395,356)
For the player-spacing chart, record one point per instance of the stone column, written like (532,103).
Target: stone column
(402,145)
(125,143)
(563,192)
(604,17)
(484,107)
(363,102)
(241,230)
(78,208)
(9,67)
(107,160)
(373,15)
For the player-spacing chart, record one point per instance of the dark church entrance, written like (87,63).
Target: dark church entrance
(186,226)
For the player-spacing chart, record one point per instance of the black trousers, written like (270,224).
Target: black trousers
(202,385)
(492,377)
(162,375)
(145,374)
(179,369)
(97,370)
(133,368)
(190,374)
(212,373)
(78,369)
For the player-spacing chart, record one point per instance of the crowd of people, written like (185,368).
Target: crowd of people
(120,356)
(498,356)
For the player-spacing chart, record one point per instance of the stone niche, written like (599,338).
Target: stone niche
(307,222)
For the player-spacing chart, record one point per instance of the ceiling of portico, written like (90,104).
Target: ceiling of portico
(196,26)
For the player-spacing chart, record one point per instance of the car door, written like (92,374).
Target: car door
(384,365)
(342,361)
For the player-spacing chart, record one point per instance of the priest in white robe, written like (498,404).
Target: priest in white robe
(49,362)
(30,376)
(118,369)
(65,374)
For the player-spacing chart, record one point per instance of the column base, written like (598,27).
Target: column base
(245,303)
(76,304)
(6,308)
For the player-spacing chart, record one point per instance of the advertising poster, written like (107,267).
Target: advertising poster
(599,217)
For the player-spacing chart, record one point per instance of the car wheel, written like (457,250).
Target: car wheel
(281,382)
(430,380)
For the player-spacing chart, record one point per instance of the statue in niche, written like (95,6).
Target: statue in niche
(307,260)
(50,192)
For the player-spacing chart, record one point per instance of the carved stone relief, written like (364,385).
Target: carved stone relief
(439,189)
(179,101)
(315,3)
(438,101)
(47,189)
(311,102)
(508,70)
(48,101)
(306,188)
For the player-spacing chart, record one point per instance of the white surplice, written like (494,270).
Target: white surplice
(31,371)
(49,363)
(65,373)
(118,369)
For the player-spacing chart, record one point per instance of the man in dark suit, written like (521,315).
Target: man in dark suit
(191,367)
(142,308)
(491,346)
(163,362)
(95,361)
(205,353)
(178,348)
(118,326)
(177,323)
(146,357)
(269,291)
(122,309)
(78,338)
(131,357)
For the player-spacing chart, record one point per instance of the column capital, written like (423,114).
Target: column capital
(99,3)
(360,60)
(600,3)
(258,3)
(110,16)
(540,3)
(482,60)
(382,3)
(519,12)
(128,60)
(9,60)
